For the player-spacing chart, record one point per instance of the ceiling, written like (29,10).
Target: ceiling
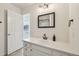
(23,5)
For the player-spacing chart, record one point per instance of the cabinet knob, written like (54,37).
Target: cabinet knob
(30,49)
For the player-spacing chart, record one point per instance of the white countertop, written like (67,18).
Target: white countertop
(62,46)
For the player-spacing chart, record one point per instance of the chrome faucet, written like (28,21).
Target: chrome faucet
(44,37)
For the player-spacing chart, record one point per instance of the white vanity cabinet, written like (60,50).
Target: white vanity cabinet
(36,50)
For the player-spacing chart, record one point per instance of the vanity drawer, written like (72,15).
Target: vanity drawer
(36,52)
(42,49)
(60,53)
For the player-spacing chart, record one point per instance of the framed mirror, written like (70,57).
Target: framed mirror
(46,20)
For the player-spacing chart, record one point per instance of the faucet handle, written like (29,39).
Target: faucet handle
(44,34)
(44,37)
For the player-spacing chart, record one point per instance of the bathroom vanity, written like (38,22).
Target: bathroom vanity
(41,47)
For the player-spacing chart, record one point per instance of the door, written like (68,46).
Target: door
(14,22)
(26,25)
(74,28)
(2,32)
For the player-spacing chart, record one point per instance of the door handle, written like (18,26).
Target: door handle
(0,21)
(9,34)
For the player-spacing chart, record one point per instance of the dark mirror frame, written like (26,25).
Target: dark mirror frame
(47,26)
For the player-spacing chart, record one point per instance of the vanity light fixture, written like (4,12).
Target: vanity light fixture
(45,5)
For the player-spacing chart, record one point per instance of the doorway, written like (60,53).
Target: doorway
(26,26)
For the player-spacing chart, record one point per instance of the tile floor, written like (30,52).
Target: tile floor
(17,53)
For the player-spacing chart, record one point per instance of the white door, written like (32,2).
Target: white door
(2,32)
(14,21)
(74,28)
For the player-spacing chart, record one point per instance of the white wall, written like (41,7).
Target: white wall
(2,26)
(74,29)
(10,7)
(62,16)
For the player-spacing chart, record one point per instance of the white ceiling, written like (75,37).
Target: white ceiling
(23,5)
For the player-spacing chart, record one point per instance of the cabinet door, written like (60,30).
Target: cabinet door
(42,49)
(58,53)
(35,52)
(26,49)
